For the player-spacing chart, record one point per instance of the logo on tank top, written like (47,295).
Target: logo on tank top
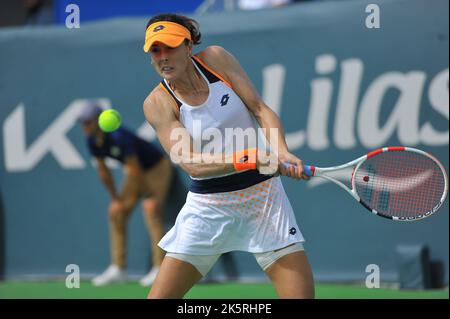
(292,231)
(224,100)
(115,151)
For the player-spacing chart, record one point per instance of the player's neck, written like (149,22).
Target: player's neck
(191,83)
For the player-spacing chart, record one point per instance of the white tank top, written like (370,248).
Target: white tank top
(211,124)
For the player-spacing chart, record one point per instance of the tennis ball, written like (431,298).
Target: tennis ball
(109,120)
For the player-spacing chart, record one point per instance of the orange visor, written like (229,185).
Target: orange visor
(170,33)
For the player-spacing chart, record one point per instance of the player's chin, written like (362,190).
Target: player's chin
(169,75)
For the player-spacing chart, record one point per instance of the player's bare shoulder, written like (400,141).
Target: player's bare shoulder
(214,56)
(159,106)
(153,101)
(217,58)
(211,52)
(156,96)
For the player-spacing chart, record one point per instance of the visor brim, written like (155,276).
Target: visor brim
(172,41)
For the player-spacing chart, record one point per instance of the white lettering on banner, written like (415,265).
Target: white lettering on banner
(403,119)
(272,95)
(404,115)
(19,158)
(319,111)
(53,140)
(438,96)
(347,104)
(325,64)
(273,84)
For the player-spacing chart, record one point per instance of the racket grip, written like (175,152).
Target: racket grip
(307,170)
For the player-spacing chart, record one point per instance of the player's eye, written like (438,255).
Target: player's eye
(155,50)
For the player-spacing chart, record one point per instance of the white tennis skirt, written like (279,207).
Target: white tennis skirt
(256,219)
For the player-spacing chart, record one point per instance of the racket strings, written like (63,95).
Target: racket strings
(401,184)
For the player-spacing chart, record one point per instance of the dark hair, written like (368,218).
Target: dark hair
(186,22)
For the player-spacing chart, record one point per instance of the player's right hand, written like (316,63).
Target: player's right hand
(294,170)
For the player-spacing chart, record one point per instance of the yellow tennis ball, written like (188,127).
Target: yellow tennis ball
(109,120)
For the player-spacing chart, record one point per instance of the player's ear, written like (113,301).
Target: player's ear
(188,44)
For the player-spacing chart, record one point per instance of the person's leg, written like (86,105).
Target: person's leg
(158,180)
(290,272)
(118,217)
(178,273)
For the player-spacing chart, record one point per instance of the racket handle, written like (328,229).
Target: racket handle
(307,169)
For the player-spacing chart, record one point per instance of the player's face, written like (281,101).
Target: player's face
(169,62)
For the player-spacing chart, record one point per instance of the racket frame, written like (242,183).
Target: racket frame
(321,172)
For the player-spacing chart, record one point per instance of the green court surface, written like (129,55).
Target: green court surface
(58,290)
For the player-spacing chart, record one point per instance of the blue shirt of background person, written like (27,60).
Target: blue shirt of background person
(121,144)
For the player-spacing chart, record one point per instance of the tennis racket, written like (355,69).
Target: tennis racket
(400,183)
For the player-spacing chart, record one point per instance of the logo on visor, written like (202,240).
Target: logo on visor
(158,28)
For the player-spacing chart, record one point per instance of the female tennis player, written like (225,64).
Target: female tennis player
(231,204)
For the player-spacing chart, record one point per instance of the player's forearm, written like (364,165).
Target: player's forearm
(273,130)
(201,165)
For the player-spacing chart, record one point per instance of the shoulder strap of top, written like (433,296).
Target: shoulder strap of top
(208,73)
(169,90)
